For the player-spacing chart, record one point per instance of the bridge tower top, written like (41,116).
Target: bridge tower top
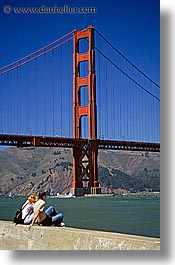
(89,82)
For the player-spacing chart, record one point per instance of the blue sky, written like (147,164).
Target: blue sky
(131,26)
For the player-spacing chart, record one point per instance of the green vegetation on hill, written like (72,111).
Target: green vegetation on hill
(141,181)
(24,170)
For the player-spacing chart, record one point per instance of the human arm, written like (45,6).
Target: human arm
(34,219)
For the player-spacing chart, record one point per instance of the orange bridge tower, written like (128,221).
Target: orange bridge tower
(85,164)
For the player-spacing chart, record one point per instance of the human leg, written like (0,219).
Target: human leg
(28,219)
(51,211)
(57,219)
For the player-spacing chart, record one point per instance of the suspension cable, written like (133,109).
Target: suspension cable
(30,55)
(126,58)
(127,75)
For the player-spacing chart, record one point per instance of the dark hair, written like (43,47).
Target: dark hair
(41,194)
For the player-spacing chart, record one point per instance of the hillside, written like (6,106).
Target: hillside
(23,170)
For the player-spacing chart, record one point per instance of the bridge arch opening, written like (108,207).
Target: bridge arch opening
(84,127)
(83,96)
(83,69)
(83,45)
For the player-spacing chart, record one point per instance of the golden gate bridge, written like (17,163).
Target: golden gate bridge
(79,92)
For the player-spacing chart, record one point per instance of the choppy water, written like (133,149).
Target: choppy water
(139,215)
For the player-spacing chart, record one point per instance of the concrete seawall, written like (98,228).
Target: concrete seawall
(63,238)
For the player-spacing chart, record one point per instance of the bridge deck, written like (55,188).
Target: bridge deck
(40,141)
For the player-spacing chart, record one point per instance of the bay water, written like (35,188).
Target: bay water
(130,214)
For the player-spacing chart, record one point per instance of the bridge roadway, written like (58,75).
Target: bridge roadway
(40,141)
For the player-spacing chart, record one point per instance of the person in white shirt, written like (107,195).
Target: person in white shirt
(45,217)
(28,208)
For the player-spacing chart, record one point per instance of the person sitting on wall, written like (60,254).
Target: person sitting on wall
(45,217)
(28,208)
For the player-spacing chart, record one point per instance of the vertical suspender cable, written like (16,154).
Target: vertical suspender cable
(112,102)
(122,121)
(17,100)
(107,98)
(20,100)
(69,71)
(158,118)
(141,116)
(61,91)
(151,114)
(27,100)
(36,96)
(144,116)
(154,123)
(106,101)
(115,102)
(139,111)
(53,93)
(126,103)
(147,115)
(124,107)
(119,98)
(0,104)
(135,110)
(132,108)
(10,103)
(45,95)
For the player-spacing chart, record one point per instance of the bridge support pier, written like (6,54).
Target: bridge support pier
(85,170)
(78,192)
